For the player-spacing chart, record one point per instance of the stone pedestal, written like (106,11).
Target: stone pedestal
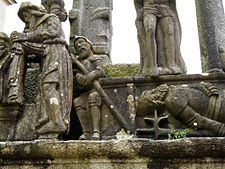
(9,115)
(124,93)
(192,153)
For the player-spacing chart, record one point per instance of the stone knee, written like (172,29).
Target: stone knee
(167,26)
(150,23)
(94,99)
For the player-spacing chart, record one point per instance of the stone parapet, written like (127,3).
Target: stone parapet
(114,154)
(123,92)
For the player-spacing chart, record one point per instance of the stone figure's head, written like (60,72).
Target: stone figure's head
(27,10)
(56,7)
(83,47)
(4,41)
(151,100)
(4,45)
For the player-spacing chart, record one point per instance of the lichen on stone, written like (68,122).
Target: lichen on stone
(31,85)
(121,70)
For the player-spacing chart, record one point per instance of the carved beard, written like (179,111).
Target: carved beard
(32,23)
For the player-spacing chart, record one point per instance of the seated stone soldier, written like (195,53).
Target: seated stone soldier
(199,106)
(87,100)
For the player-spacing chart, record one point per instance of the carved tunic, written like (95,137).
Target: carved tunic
(158,9)
(82,92)
(46,41)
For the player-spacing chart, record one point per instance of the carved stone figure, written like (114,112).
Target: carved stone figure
(198,106)
(55,7)
(87,100)
(5,60)
(159,36)
(44,37)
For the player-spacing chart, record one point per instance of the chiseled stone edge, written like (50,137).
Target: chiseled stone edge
(114,149)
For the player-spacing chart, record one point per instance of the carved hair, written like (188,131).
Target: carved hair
(157,95)
(163,90)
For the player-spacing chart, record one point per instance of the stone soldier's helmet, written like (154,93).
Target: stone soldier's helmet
(29,6)
(83,37)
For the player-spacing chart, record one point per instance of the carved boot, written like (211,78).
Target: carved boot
(95,121)
(202,122)
(85,123)
(214,126)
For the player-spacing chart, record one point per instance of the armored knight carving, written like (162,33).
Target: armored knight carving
(198,106)
(87,99)
(43,37)
(159,36)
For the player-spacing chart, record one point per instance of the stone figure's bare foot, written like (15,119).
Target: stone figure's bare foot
(175,70)
(52,128)
(164,71)
(154,72)
(147,72)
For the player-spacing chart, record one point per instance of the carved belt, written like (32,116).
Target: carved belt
(214,107)
(158,10)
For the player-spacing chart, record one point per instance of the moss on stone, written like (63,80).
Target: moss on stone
(31,85)
(112,71)
(121,70)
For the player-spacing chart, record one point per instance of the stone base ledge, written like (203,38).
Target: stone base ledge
(133,153)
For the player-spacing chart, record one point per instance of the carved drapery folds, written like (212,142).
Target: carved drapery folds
(159,37)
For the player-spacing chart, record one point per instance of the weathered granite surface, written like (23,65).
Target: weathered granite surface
(192,153)
(211,26)
(96,16)
(124,93)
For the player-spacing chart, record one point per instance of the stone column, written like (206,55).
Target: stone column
(211,26)
(93,19)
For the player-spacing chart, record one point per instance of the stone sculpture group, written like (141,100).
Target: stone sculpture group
(199,106)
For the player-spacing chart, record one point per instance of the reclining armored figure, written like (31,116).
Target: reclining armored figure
(199,106)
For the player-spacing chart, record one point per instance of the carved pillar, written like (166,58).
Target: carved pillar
(211,25)
(93,19)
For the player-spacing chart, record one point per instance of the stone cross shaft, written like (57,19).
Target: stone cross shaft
(211,26)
